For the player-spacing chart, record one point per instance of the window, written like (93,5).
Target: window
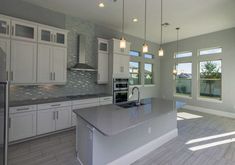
(183,54)
(134,53)
(183,78)
(148,73)
(134,70)
(149,56)
(210,79)
(210,51)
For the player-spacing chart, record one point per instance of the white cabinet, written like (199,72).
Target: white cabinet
(52,35)
(23,30)
(45,121)
(103,45)
(5,46)
(22,122)
(102,74)
(52,62)
(120,66)
(23,62)
(57,117)
(4,26)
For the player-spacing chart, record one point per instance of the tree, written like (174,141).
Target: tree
(210,71)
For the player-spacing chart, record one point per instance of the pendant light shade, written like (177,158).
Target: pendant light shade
(122,43)
(145,45)
(160,51)
(145,48)
(177,50)
(122,40)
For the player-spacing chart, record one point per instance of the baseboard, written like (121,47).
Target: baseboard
(209,111)
(144,150)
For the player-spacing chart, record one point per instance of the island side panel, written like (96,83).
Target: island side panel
(109,148)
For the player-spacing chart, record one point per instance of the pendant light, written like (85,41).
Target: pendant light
(161,51)
(122,40)
(145,45)
(177,50)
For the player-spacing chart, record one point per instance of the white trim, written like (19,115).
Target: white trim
(210,111)
(138,153)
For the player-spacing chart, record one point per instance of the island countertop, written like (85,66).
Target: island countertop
(112,119)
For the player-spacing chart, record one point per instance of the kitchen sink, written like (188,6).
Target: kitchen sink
(130,104)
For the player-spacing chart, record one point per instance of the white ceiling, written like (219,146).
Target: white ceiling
(195,17)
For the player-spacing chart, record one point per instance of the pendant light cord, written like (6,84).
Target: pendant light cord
(161,22)
(145,17)
(123,7)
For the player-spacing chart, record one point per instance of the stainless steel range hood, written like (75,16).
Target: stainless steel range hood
(81,57)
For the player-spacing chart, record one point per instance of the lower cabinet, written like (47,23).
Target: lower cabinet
(22,125)
(50,120)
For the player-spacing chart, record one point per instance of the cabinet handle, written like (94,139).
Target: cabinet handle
(55,105)
(9,122)
(57,115)
(22,109)
(53,115)
(8,29)
(12,30)
(11,75)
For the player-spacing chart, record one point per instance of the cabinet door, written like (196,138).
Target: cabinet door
(22,125)
(44,67)
(4,27)
(23,62)
(45,35)
(102,68)
(60,38)
(23,30)
(125,65)
(103,45)
(46,121)
(59,64)
(63,118)
(5,46)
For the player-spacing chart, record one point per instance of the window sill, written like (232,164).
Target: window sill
(209,100)
(182,96)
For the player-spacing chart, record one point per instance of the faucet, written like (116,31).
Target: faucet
(133,89)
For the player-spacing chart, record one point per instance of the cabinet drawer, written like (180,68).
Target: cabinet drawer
(54,105)
(19,109)
(80,106)
(104,99)
(85,101)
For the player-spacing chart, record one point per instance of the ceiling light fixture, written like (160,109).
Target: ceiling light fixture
(145,45)
(161,51)
(135,19)
(101,4)
(122,40)
(177,50)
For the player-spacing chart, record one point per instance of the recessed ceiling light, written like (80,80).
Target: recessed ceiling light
(135,19)
(101,4)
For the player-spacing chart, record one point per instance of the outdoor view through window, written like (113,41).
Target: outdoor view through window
(183,78)
(210,79)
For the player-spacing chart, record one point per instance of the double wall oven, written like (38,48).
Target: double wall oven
(120,90)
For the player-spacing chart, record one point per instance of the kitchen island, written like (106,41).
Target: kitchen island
(111,134)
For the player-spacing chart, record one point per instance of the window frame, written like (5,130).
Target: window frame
(136,52)
(139,73)
(210,48)
(153,83)
(182,53)
(148,54)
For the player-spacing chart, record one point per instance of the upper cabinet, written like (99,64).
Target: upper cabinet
(103,45)
(4,27)
(50,35)
(23,30)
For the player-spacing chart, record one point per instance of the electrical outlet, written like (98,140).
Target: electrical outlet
(149,130)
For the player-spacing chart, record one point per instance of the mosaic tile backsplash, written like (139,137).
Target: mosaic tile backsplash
(79,83)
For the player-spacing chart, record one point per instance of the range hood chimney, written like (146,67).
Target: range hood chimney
(81,57)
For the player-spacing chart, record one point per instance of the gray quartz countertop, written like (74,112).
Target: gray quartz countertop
(112,119)
(55,99)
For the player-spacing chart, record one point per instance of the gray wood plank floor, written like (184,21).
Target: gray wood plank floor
(203,140)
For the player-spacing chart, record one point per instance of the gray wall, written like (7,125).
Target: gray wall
(225,39)
(78,82)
